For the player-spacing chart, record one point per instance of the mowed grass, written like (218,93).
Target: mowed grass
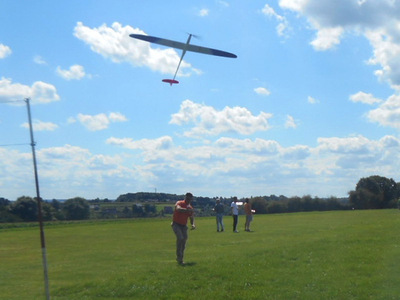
(318,255)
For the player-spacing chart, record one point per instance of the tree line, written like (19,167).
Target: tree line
(374,192)
(25,209)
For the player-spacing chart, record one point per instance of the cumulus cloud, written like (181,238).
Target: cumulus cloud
(364,98)
(41,126)
(262,91)
(158,151)
(260,146)
(99,121)
(335,164)
(283,23)
(356,145)
(209,121)
(388,113)
(377,20)
(117,117)
(39,92)
(386,54)
(262,166)
(162,143)
(327,38)
(115,44)
(82,172)
(4,51)
(74,72)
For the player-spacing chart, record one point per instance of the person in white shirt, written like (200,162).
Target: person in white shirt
(235,214)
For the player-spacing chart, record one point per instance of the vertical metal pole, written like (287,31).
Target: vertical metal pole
(40,215)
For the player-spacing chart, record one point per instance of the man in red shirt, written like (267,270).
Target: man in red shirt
(249,214)
(182,212)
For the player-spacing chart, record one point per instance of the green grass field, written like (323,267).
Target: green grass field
(319,255)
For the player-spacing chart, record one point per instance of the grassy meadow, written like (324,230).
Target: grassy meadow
(318,255)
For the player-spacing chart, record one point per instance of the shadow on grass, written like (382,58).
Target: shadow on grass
(187,264)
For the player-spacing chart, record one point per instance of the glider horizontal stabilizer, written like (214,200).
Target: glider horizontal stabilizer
(170,81)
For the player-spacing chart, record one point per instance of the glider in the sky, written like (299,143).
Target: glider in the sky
(184,47)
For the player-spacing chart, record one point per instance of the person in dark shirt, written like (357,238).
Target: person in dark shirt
(219,210)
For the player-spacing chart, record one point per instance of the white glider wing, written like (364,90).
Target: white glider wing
(183,46)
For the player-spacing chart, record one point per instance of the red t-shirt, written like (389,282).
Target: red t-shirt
(179,216)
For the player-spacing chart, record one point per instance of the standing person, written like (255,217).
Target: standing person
(182,212)
(235,213)
(219,210)
(249,214)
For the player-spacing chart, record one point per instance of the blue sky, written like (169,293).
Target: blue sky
(310,106)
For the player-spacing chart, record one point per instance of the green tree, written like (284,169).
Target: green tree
(137,210)
(76,209)
(4,202)
(374,192)
(56,204)
(48,212)
(276,207)
(294,204)
(25,208)
(5,213)
(260,205)
(150,209)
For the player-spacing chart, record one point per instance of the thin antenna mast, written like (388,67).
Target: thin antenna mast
(39,204)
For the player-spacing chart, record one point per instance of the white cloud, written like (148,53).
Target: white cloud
(332,167)
(99,121)
(296,5)
(203,12)
(327,38)
(269,11)
(283,23)
(41,126)
(163,143)
(75,72)
(37,59)
(4,51)
(223,3)
(115,44)
(290,122)
(71,120)
(312,100)
(356,145)
(94,123)
(377,20)
(117,117)
(364,98)
(388,113)
(208,121)
(262,91)
(386,54)
(39,92)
